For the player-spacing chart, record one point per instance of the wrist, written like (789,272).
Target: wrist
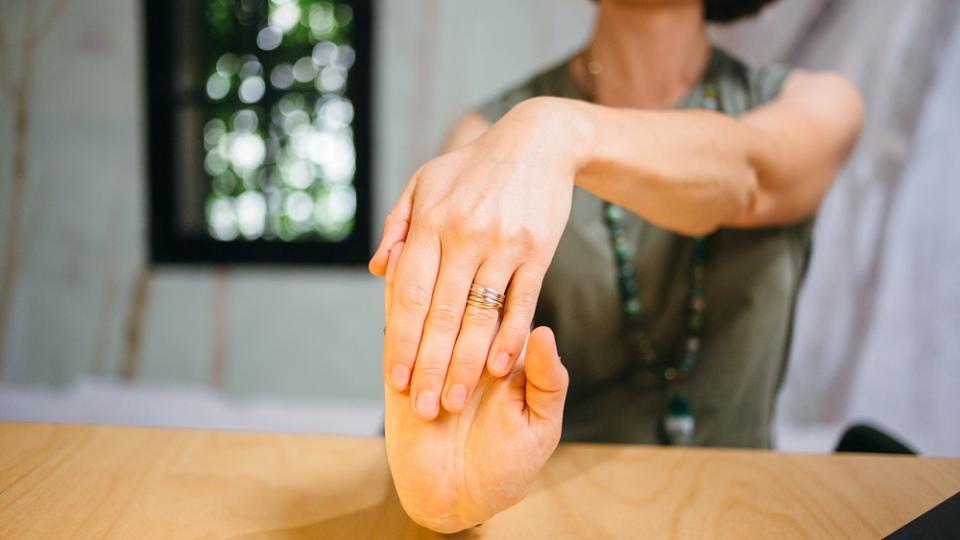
(564,125)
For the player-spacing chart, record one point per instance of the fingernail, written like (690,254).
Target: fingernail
(427,403)
(500,363)
(399,376)
(457,395)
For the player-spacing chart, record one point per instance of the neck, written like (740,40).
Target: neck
(649,54)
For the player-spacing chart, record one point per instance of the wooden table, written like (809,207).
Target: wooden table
(84,481)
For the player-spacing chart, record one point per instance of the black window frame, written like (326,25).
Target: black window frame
(168,245)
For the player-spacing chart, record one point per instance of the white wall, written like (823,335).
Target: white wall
(315,334)
(308,333)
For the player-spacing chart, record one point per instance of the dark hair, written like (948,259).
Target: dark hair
(731,10)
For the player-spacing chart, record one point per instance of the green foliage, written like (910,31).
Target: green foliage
(277,119)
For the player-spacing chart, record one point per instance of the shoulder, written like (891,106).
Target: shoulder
(829,86)
(823,99)
(548,82)
(465,130)
(757,84)
(766,82)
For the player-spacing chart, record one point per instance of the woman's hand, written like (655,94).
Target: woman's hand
(461,469)
(491,213)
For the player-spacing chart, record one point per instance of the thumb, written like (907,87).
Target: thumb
(547,379)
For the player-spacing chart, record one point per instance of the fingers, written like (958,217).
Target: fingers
(389,279)
(517,318)
(395,229)
(547,379)
(388,286)
(440,330)
(411,291)
(476,333)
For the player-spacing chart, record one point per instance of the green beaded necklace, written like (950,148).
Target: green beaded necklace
(677,424)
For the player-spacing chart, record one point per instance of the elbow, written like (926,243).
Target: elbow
(747,193)
(742,200)
(740,182)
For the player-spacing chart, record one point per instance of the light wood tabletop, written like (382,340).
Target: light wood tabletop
(87,481)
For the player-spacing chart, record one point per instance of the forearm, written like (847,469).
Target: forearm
(686,171)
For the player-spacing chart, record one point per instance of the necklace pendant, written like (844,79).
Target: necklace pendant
(677,425)
(594,68)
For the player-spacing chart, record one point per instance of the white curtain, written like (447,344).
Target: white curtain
(877,336)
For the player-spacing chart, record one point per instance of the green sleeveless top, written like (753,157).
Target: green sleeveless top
(752,280)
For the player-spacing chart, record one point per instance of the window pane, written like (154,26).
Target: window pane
(264,120)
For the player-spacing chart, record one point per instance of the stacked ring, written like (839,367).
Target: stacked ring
(483,297)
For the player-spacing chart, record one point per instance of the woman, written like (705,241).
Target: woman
(651,200)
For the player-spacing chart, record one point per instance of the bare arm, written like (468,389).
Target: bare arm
(492,210)
(771,167)
(695,171)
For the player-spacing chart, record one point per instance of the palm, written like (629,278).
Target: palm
(460,469)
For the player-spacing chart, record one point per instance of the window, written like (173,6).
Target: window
(258,130)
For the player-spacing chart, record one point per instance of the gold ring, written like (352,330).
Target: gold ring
(483,297)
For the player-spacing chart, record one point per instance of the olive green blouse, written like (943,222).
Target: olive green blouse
(753,276)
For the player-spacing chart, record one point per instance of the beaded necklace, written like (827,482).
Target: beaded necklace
(677,424)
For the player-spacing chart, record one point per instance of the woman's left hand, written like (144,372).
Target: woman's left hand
(491,213)
(451,473)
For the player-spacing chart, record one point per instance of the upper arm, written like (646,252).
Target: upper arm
(465,131)
(798,143)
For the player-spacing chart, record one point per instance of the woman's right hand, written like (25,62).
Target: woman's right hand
(462,468)
(489,213)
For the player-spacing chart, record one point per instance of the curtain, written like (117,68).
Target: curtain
(877,334)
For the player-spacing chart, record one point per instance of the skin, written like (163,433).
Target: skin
(458,470)
(492,208)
